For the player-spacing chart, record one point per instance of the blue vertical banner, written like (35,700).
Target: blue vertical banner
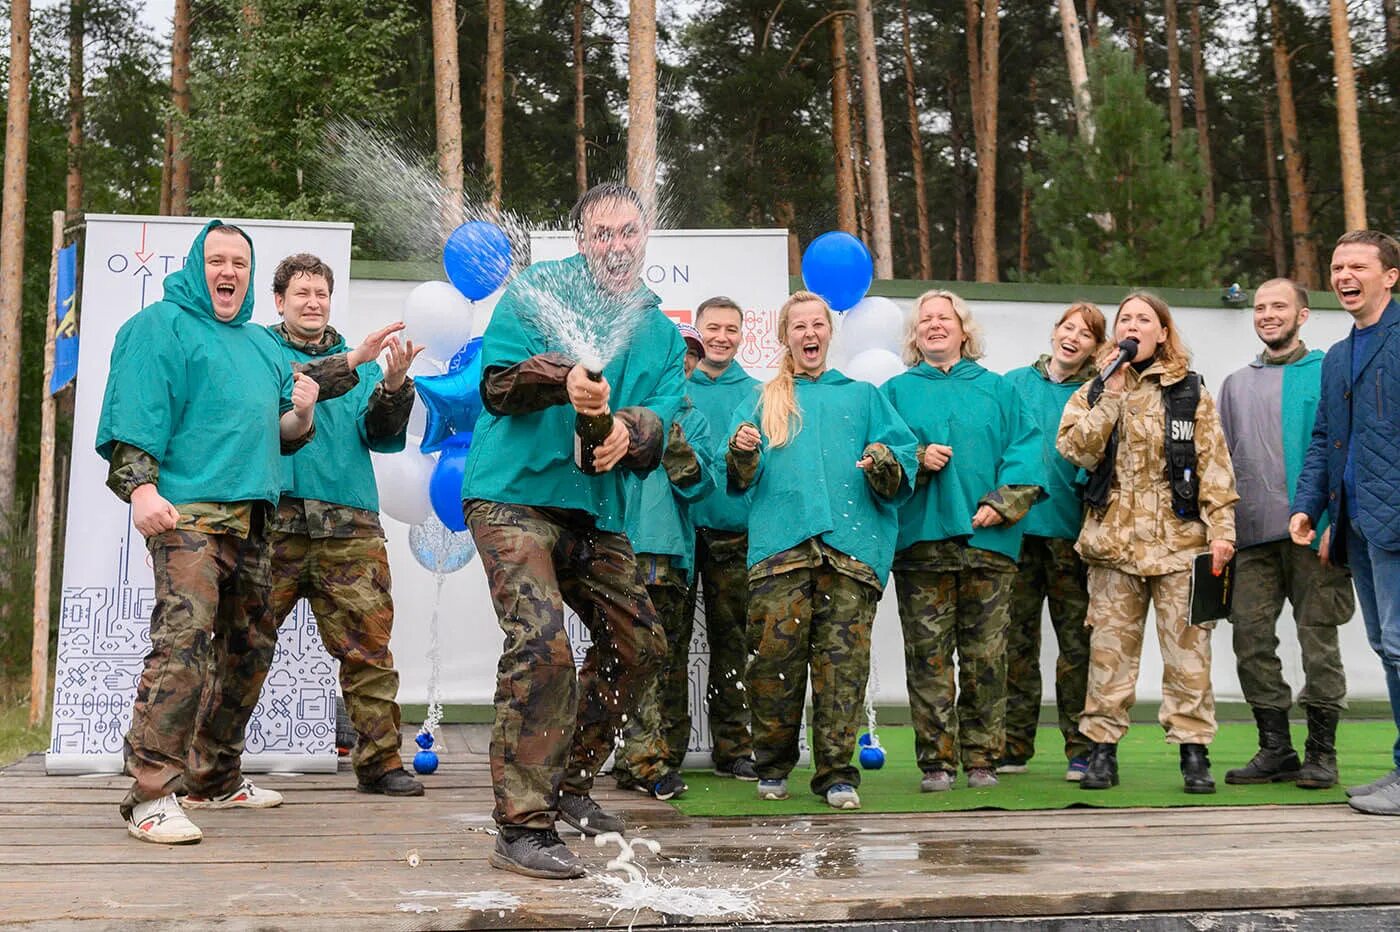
(65,338)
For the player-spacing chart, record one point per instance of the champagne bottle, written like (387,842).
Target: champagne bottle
(590,430)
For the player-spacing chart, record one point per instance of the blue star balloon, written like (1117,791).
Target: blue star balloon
(452,401)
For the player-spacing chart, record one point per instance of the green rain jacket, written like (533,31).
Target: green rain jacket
(202,396)
(528,459)
(995,445)
(1061,513)
(735,390)
(660,509)
(812,488)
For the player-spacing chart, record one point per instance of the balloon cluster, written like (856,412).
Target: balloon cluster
(872,755)
(422,486)
(426,760)
(868,347)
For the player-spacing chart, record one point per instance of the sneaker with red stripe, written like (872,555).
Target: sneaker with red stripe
(161,821)
(247,796)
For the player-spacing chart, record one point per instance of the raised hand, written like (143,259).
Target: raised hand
(401,356)
(371,346)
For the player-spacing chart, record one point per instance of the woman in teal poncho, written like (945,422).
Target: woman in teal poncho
(1049,569)
(980,470)
(826,462)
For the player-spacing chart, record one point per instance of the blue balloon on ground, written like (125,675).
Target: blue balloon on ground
(477,258)
(445,488)
(838,267)
(865,739)
(425,762)
(452,401)
(872,757)
(424,739)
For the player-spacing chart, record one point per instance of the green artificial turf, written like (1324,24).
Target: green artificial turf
(1147,766)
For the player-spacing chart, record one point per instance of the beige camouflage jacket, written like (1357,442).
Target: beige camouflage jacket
(1138,532)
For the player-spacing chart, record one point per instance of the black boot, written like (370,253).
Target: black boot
(1320,753)
(1276,761)
(1195,769)
(1103,767)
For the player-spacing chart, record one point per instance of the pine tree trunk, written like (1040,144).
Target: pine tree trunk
(1348,127)
(1174,112)
(1299,214)
(841,130)
(1091,26)
(12,248)
(167,168)
(984,62)
(1137,34)
(862,170)
(916,149)
(447,100)
(580,100)
(881,245)
(1078,71)
(1198,93)
(1391,12)
(1023,256)
(641,99)
(1277,242)
(180,99)
(956,138)
(73,200)
(495,90)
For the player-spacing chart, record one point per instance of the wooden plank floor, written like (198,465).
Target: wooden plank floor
(333,858)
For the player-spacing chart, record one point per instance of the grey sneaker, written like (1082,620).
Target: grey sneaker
(1384,801)
(1366,789)
(936,781)
(772,789)
(587,816)
(980,778)
(842,796)
(534,852)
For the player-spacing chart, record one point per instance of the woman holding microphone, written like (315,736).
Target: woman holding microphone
(1157,497)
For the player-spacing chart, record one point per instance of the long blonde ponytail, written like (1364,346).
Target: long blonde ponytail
(779,398)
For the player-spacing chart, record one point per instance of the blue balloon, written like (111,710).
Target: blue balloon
(425,762)
(865,739)
(439,550)
(477,258)
(838,267)
(445,487)
(452,401)
(872,757)
(424,739)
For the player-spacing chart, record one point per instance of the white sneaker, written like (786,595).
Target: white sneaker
(247,796)
(161,821)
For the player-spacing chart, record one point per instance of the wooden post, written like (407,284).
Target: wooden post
(43,532)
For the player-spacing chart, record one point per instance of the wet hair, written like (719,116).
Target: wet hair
(231,230)
(972,331)
(1300,294)
(1171,349)
(607,191)
(303,263)
(779,397)
(718,301)
(1093,319)
(1385,244)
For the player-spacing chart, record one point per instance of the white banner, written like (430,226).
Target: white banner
(104,631)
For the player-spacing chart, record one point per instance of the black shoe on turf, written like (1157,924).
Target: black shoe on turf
(587,816)
(740,769)
(1102,771)
(1275,761)
(1195,769)
(394,782)
(534,852)
(670,785)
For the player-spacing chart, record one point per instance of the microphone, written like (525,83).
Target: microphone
(1129,349)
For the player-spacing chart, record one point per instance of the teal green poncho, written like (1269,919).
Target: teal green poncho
(978,414)
(1061,512)
(660,515)
(811,487)
(727,508)
(528,459)
(202,396)
(335,466)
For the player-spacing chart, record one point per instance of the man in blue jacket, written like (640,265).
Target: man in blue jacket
(1352,470)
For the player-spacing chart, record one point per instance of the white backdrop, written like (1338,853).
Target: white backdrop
(104,629)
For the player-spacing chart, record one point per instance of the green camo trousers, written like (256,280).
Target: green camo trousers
(554,727)
(722,563)
(656,735)
(212,640)
(810,617)
(346,580)
(1049,569)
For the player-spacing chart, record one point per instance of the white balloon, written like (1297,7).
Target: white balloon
(403,484)
(876,366)
(874,323)
(436,315)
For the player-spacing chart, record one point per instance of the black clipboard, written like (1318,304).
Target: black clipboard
(1211,595)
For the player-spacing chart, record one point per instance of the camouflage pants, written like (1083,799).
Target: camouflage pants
(554,727)
(346,580)
(1049,569)
(1322,599)
(1118,613)
(722,563)
(657,733)
(809,617)
(958,714)
(212,640)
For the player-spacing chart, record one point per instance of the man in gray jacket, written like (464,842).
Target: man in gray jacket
(1267,410)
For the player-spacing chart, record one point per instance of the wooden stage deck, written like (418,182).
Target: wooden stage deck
(332,858)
